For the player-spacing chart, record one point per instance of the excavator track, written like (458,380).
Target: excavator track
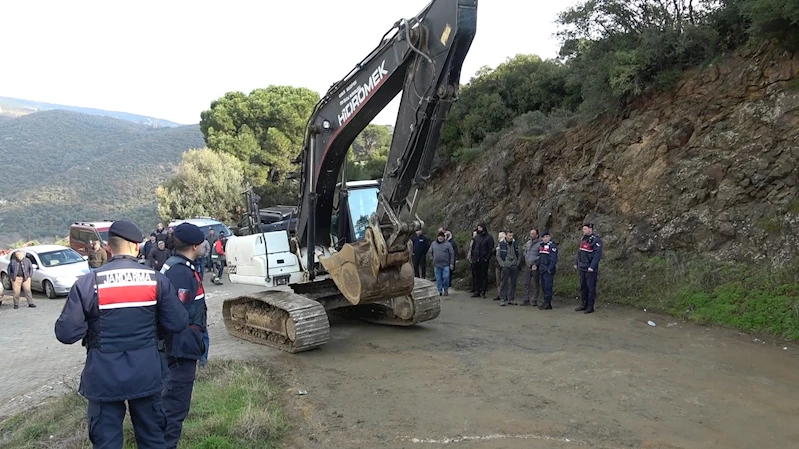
(280,319)
(423,304)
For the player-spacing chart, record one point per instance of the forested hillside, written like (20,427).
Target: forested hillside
(64,166)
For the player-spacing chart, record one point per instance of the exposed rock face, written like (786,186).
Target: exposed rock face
(709,167)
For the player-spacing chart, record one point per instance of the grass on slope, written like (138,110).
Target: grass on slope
(234,405)
(752,297)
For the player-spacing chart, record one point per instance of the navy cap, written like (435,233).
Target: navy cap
(545,233)
(588,225)
(189,233)
(126,230)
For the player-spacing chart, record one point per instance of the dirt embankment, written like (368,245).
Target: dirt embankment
(710,166)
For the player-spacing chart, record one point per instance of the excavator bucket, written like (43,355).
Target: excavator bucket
(356,271)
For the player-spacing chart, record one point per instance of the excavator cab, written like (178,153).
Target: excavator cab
(354,203)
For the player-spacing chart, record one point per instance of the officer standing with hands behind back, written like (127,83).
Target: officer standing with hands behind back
(588,257)
(185,348)
(118,311)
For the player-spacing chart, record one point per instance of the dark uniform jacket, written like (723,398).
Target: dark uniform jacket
(117,311)
(187,344)
(548,257)
(421,245)
(590,252)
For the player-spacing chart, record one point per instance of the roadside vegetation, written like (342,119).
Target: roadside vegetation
(234,405)
(612,52)
(748,297)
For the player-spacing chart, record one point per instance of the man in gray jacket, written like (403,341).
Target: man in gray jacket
(531,268)
(508,262)
(443,262)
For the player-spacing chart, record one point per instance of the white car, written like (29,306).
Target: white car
(55,268)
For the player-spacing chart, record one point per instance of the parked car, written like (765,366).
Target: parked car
(81,234)
(55,268)
(206,224)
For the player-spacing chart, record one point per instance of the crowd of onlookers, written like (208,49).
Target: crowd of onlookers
(535,261)
(161,246)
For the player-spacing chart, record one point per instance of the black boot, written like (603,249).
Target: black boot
(589,310)
(582,307)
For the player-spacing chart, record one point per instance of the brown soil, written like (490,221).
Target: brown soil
(484,376)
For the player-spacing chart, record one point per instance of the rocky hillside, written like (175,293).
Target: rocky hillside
(708,167)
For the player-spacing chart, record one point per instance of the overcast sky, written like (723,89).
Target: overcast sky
(170,59)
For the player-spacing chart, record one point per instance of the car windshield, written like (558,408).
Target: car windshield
(103,235)
(64,256)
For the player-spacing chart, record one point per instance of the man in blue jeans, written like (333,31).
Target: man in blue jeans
(443,261)
(199,264)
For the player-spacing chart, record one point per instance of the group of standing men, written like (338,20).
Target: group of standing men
(536,261)
(143,333)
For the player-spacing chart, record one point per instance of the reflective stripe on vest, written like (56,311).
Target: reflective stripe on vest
(126,287)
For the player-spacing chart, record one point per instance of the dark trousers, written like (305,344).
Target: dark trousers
(547,282)
(147,414)
(420,267)
(588,287)
(507,290)
(532,277)
(177,398)
(482,278)
(474,276)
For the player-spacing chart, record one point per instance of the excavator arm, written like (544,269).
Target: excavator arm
(421,57)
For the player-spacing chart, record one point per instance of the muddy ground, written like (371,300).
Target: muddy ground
(484,376)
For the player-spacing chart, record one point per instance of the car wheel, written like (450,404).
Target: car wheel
(49,290)
(6,281)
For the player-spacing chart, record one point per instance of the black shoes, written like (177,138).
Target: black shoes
(32,305)
(582,307)
(589,310)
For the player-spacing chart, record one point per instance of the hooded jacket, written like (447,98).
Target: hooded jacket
(442,254)
(483,248)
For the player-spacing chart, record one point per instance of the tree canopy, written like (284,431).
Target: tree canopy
(265,129)
(206,183)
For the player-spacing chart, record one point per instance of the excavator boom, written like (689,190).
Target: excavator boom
(364,269)
(421,57)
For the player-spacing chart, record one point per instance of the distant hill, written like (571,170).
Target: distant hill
(16,107)
(65,166)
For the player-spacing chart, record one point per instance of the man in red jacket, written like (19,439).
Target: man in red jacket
(219,247)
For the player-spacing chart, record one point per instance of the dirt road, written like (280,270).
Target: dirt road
(484,376)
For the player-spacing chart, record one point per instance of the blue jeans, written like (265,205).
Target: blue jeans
(207,341)
(442,278)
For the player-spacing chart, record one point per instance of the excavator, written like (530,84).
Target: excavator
(349,248)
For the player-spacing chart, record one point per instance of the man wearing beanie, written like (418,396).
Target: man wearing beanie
(117,311)
(184,349)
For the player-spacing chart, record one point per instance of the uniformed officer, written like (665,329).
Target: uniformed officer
(118,310)
(587,262)
(547,265)
(184,349)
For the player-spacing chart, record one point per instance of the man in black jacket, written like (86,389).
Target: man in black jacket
(421,244)
(482,252)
